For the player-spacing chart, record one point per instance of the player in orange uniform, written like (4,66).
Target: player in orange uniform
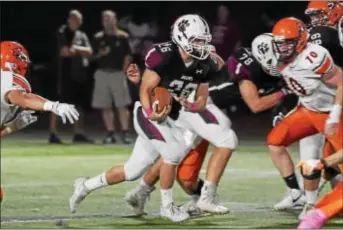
(16,93)
(332,203)
(16,96)
(310,73)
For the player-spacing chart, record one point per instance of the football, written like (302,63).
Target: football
(163,97)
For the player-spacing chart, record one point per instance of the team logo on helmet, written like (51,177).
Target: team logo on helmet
(263,48)
(183,26)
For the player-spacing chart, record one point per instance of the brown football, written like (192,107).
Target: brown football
(161,95)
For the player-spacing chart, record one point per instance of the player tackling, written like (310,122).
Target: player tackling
(17,101)
(16,96)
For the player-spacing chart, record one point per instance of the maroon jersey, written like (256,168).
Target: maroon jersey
(179,79)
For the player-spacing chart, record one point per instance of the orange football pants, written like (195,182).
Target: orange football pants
(302,123)
(189,168)
(332,203)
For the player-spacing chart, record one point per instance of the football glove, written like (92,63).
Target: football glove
(23,120)
(65,111)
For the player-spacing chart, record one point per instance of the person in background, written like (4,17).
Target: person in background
(112,55)
(73,50)
(225,34)
(142,33)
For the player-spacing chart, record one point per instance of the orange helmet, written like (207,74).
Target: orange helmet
(324,13)
(14,57)
(289,37)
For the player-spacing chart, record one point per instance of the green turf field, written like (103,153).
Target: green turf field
(38,180)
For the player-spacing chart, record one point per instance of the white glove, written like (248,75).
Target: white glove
(23,119)
(65,111)
(278,118)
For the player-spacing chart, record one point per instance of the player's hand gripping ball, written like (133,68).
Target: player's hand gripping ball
(162,98)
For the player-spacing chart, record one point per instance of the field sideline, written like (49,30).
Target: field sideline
(38,181)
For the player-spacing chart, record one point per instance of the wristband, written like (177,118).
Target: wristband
(48,106)
(281,94)
(335,113)
(192,107)
(148,111)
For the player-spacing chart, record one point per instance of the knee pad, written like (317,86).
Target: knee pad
(135,170)
(277,136)
(227,139)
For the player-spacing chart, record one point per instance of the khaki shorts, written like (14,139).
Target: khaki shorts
(110,89)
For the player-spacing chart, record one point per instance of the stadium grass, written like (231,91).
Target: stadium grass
(38,181)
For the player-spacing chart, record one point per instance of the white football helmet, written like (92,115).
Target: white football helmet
(192,34)
(262,50)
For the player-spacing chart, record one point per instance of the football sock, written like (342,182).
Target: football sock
(291,181)
(198,189)
(167,197)
(208,188)
(96,182)
(143,185)
(311,196)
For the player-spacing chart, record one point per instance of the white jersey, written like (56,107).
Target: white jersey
(10,81)
(304,77)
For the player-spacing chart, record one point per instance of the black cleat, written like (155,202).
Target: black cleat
(126,138)
(54,139)
(109,139)
(82,139)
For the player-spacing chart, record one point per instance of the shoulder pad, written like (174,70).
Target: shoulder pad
(159,55)
(315,58)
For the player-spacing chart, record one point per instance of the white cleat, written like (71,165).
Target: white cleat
(293,199)
(307,207)
(137,199)
(173,213)
(209,203)
(191,208)
(79,194)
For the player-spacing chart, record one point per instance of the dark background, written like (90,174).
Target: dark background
(34,24)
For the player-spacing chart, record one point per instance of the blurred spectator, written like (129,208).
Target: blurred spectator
(142,34)
(225,34)
(112,57)
(73,50)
